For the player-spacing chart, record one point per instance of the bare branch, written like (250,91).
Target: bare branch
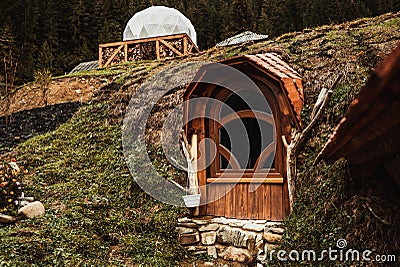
(298,139)
(376,216)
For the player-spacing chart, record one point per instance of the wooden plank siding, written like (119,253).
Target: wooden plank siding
(146,49)
(266,202)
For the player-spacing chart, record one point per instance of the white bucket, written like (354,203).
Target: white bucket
(192,201)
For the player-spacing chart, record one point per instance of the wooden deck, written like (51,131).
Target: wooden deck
(146,49)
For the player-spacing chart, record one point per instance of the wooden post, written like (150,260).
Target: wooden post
(185,45)
(100,56)
(193,152)
(191,157)
(158,49)
(126,52)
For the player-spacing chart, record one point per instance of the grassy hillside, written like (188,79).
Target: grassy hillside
(97,216)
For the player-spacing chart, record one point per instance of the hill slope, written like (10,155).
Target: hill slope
(97,215)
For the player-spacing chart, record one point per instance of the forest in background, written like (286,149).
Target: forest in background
(53,36)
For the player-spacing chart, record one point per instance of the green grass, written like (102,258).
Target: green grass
(96,214)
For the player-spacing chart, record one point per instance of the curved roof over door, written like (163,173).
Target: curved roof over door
(273,67)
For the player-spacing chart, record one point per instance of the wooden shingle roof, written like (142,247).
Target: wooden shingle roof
(289,78)
(272,66)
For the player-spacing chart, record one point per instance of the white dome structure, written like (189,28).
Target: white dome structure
(158,21)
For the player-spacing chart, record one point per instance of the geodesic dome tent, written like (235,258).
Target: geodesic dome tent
(158,21)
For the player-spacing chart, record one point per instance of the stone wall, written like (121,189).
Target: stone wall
(229,239)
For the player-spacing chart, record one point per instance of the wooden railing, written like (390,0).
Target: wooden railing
(146,49)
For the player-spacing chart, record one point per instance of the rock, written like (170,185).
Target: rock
(188,225)
(239,238)
(218,220)
(273,224)
(260,221)
(272,238)
(208,238)
(252,241)
(189,239)
(208,264)
(237,224)
(201,221)
(209,227)
(34,209)
(191,248)
(184,220)
(200,252)
(236,254)
(224,235)
(212,252)
(254,227)
(184,230)
(259,238)
(220,248)
(7,219)
(233,236)
(277,230)
(196,248)
(233,221)
(23,203)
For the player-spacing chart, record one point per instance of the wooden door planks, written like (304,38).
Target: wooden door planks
(266,202)
(277,213)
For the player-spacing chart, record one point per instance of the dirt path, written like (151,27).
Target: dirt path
(63,90)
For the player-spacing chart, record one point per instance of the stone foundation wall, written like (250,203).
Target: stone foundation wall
(229,239)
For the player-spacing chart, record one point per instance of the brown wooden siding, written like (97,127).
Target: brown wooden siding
(266,202)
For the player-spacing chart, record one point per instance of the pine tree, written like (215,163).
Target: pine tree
(240,17)
(274,18)
(9,64)
(45,58)
(59,34)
